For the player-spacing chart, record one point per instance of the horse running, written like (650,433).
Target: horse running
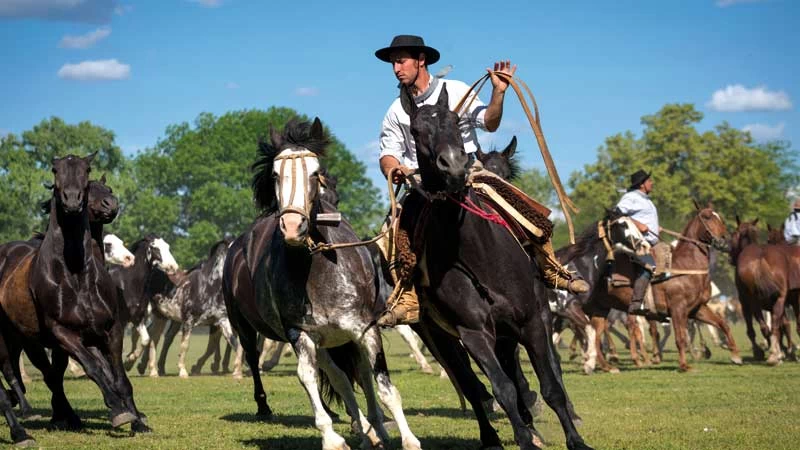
(767,278)
(61,296)
(322,303)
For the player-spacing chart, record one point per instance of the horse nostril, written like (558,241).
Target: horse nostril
(442,162)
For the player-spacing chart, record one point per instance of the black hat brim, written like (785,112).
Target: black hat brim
(639,183)
(431,54)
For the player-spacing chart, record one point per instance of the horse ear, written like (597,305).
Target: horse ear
(696,205)
(317,132)
(512,147)
(738,222)
(480,155)
(90,157)
(755,221)
(444,98)
(103,179)
(407,100)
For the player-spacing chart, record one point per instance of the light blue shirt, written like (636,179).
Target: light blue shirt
(791,228)
(638,206)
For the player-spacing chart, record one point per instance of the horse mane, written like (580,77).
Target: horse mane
(295,133)
(216,245)
(586,240)
(150,237)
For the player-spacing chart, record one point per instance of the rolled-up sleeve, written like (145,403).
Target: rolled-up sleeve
(391,138)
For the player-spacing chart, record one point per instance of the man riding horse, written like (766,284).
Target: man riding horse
(636,204)
(410,58)
(791,228)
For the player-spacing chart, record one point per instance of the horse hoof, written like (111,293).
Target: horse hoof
(736,360)
(613,370)
(427,370)
(128,365)
(26,442)
(237,376)
(685,369)
(774,361)
(195,370)
(68,424)
(140,427)
(122,419)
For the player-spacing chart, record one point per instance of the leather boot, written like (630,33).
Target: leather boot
(555,275)
(402,310)
(637,306)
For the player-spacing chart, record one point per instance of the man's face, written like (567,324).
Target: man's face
(405,67)
(647,186)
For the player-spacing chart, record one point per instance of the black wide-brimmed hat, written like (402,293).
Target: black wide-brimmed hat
(413,44)
(638,178)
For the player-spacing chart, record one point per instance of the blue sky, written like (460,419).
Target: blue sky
(595,67)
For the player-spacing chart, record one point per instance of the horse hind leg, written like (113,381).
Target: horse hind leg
(307,367)
(186,334)
(64,417)
(408,335)
(212,349)
(705,314)
(19,436)
(372,365)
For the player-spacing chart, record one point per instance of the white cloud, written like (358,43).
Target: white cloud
(107,69)
(232,85)
(208,3)
(306,91)
(87,40)
(735,98)
(764,132)
(121,10)
(726,3)
(86,11)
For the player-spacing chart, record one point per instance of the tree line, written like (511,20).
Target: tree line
(192,187)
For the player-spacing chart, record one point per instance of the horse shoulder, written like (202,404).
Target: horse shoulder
(15,296)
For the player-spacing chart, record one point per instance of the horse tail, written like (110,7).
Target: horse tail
(346,357)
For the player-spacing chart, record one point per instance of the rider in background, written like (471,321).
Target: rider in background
(791,227)
(636,204)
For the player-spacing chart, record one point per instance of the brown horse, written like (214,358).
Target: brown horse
(61,296)
(680,296)
(767,277)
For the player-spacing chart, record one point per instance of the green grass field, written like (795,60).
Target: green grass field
(716,406)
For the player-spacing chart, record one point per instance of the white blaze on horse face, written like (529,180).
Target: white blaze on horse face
(167,263)
(292,173)
(115,251)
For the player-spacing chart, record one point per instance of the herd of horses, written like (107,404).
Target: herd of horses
(294,278)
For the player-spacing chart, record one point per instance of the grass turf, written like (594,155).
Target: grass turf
(715,406)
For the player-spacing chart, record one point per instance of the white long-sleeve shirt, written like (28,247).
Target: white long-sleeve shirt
(396,139)
(791,228)
(638,206)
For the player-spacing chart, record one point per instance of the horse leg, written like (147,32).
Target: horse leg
(705,314)
(23,374)
(226,359)
(11,372)
(633,339)
(775,353)
(508,355)
(452,356)
(186,334)
(599,324)
(276,348)
(307,368)
(680,321)
(156,330)
(19,436)
(654,337)
(212,348)
(169,336)
(747,313)
(374,366)
(134,342)
(481,346)
(112,353)
(248,344)
(408,335)
(542,355)
(64,417)
(139,348)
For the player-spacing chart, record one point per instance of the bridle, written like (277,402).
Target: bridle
(296,154)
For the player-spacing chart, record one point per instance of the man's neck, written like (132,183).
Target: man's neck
(422,83)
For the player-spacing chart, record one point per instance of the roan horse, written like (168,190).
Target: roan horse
(767,277)
(322,303)
(480,285)
(62,297)
(681,296)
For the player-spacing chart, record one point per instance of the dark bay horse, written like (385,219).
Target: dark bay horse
(323,303)
(103,208)
(62,297)
(682,296)
(767,278)
(138,284)
(479,284)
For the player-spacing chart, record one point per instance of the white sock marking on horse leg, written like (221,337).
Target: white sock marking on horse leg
(187,333)
(237,364)
(307,373)
(590,354)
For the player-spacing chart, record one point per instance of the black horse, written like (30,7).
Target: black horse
(68,303)
(480,284)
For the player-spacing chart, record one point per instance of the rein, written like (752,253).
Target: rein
(533,117)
